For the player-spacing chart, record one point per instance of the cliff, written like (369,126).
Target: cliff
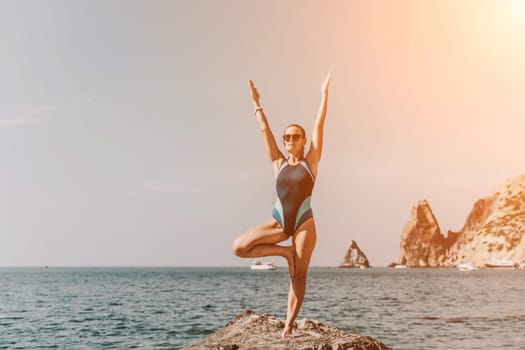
(354,257)
(494,229)
(422,243)
(255,331)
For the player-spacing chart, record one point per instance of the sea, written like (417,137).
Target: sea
(169,308)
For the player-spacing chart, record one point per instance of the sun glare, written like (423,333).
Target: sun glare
(513,10)
(517,7)
(504,21)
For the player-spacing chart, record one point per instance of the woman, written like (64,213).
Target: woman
(292,216)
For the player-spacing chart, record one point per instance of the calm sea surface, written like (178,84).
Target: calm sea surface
(167,308)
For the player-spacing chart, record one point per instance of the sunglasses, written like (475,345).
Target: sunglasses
(293,137)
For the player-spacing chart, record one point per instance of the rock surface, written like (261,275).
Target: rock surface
(354,257)
(494,229)
(255,331)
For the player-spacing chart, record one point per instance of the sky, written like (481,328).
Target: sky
(127,136)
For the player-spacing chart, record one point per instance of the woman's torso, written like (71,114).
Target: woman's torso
(294,185)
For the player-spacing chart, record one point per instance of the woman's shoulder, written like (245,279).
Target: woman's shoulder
(279,161)
(278,164)
(312,161)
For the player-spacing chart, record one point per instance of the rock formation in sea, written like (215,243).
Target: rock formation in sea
(422,243)
(354,257)
(494,230)
(263,331)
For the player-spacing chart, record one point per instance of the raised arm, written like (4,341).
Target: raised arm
(273,151)
(316,146)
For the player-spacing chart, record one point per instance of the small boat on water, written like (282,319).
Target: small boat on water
(467,267)
(399,266)
(262,265)
(502,264)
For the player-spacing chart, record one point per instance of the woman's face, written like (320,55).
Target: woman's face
(293,139)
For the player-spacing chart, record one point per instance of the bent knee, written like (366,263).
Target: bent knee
(239,248)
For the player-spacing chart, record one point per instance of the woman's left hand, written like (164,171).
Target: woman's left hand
(324,89)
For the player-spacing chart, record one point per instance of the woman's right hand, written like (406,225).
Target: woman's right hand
(254,92)
(324,89)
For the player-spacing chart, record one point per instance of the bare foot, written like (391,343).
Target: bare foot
(291,261)
(287,333)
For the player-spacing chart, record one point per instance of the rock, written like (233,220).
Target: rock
(263,331)
(393,264)
(354,257)
(494,230)
(495,227)
(422,243)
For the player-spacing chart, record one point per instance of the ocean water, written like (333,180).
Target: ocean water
(168,308)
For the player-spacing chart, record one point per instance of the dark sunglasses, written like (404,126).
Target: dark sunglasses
(293,137)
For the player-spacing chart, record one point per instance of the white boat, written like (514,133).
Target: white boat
(400,266)
(262,265)
(501,264)
(467,267)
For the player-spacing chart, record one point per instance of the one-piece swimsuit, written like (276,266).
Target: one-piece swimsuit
(294,185)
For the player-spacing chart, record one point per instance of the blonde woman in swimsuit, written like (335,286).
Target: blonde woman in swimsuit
(292,215)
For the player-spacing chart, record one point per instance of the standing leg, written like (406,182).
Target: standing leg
(304,241)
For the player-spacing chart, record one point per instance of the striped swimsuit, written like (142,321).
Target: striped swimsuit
(294,190)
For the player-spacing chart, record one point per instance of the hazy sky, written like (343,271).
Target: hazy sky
(127,135)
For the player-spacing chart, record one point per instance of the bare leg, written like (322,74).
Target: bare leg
(260,241)
(304,239)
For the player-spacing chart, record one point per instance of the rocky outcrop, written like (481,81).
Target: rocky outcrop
(494,230)
(495,227)
(255,331)
(354,257)
(422,244)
